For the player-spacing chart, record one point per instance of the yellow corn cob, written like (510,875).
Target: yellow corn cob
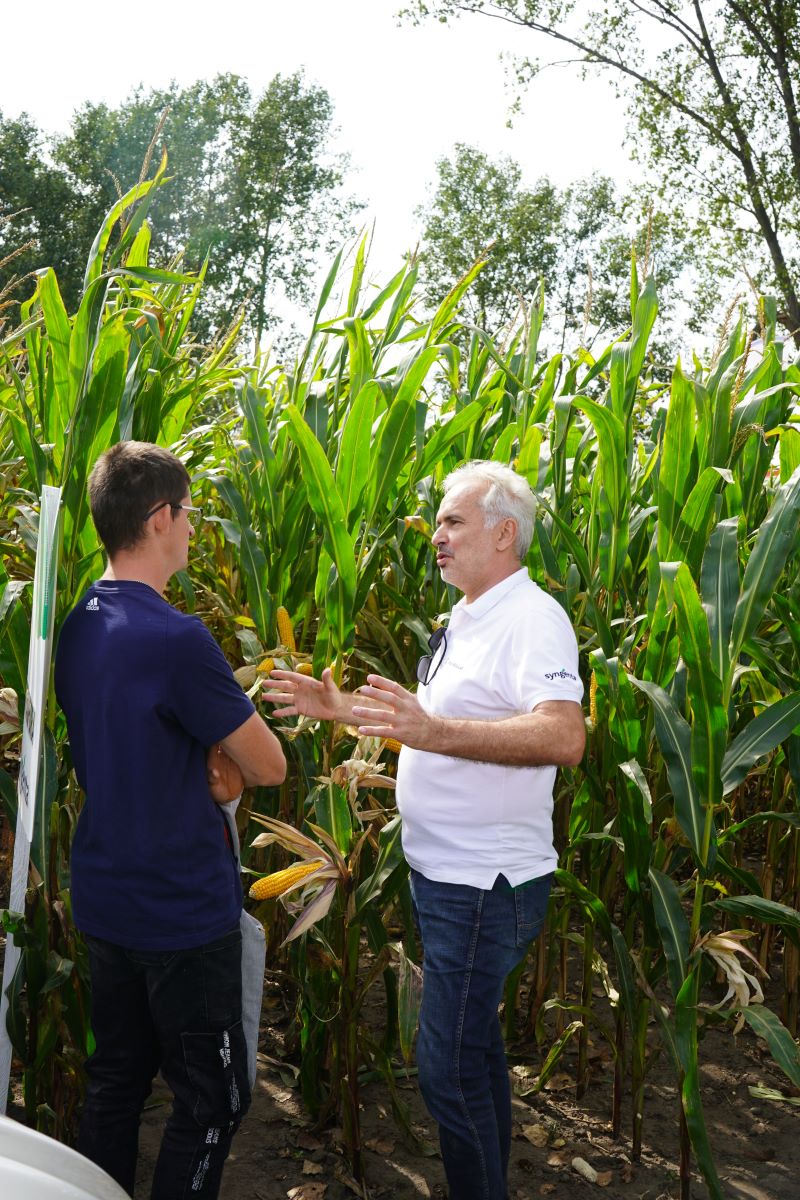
(593,700)
(265,666)
(277,883)
(393,745)
(305,669)
(285,630)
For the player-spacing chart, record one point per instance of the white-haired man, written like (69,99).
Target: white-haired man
(497,711)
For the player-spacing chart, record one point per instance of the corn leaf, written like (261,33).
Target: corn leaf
(771,548)
(782,1046)
(672,927)
(758,738)
(675,740)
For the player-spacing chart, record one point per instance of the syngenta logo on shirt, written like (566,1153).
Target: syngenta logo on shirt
(562,674)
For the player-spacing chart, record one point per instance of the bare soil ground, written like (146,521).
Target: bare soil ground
(277,1154)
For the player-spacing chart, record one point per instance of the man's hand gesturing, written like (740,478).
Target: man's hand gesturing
(304,696)
(396,713)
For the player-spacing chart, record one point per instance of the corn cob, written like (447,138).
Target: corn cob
(305,669)
(265,666)
(277,883)
(593,700)
(285,629)
(393,745)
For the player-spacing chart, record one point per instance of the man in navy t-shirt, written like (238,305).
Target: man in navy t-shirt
(161,735)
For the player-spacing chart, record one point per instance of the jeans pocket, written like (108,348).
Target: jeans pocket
(531,902)
(216,1070)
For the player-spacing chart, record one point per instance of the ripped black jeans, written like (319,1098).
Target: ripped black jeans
(177,1011)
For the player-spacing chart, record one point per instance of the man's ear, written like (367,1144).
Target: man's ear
(161,521)
(506,533)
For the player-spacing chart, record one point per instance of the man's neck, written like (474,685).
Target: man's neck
(134,568)
(507,571)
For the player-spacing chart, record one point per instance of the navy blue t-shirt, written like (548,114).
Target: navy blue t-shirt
(146,690)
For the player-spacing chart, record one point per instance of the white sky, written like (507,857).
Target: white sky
(403,95)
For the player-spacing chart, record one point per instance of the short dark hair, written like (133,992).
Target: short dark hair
(126,482)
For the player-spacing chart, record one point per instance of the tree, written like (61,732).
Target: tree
(713,88)
(37,210)
(480,203)
(578,241)
(253,186)
(286,204)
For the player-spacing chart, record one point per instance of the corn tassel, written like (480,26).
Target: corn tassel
(285,629)
(276,884)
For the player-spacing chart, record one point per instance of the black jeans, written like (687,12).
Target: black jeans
(178,1011)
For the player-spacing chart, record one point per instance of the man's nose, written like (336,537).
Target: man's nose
(438,536)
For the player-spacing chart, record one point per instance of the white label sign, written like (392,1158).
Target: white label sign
(44,593)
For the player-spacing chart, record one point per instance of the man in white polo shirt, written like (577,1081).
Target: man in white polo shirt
(496,712)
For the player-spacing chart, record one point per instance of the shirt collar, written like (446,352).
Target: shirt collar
(485,603)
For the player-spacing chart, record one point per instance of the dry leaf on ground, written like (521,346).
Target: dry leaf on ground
(308,1191)
(535,1134)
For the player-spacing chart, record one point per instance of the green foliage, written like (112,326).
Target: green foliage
(664,528)
(253,187)
(713,96)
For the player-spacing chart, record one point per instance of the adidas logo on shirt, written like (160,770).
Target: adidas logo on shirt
(93,605)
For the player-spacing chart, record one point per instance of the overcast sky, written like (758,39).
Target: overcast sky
(403,95)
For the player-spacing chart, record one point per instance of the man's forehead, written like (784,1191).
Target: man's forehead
(461,499)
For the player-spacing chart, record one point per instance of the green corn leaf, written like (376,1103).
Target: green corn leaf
(698,516)
(361,367)
(771,548)
(789,451)
(611,488)
(758,738)
(333,814)
(710,719)
(686,1041)
(719,589)
(768,911)
(675,739)
(675,473)
(94,266)
(672,927)
(442,437)
(326,502)
(634,806)
(352,466)
(782,1046)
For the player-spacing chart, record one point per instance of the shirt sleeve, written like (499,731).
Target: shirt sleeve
(203,694)
(544,659)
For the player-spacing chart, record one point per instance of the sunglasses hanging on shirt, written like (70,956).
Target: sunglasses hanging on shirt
(438,638)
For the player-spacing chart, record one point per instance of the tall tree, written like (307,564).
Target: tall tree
(286,202)
(479,203)
(713,89)
(253,186)
(578,241)
(37,211)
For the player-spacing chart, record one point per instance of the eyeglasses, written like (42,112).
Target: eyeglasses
(193,513)
(438,638)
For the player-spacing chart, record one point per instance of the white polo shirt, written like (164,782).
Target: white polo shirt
(465,821)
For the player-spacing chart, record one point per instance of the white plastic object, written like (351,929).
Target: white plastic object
(36,1167)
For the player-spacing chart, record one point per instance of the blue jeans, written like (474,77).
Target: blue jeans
(471,940)
(178,1011)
